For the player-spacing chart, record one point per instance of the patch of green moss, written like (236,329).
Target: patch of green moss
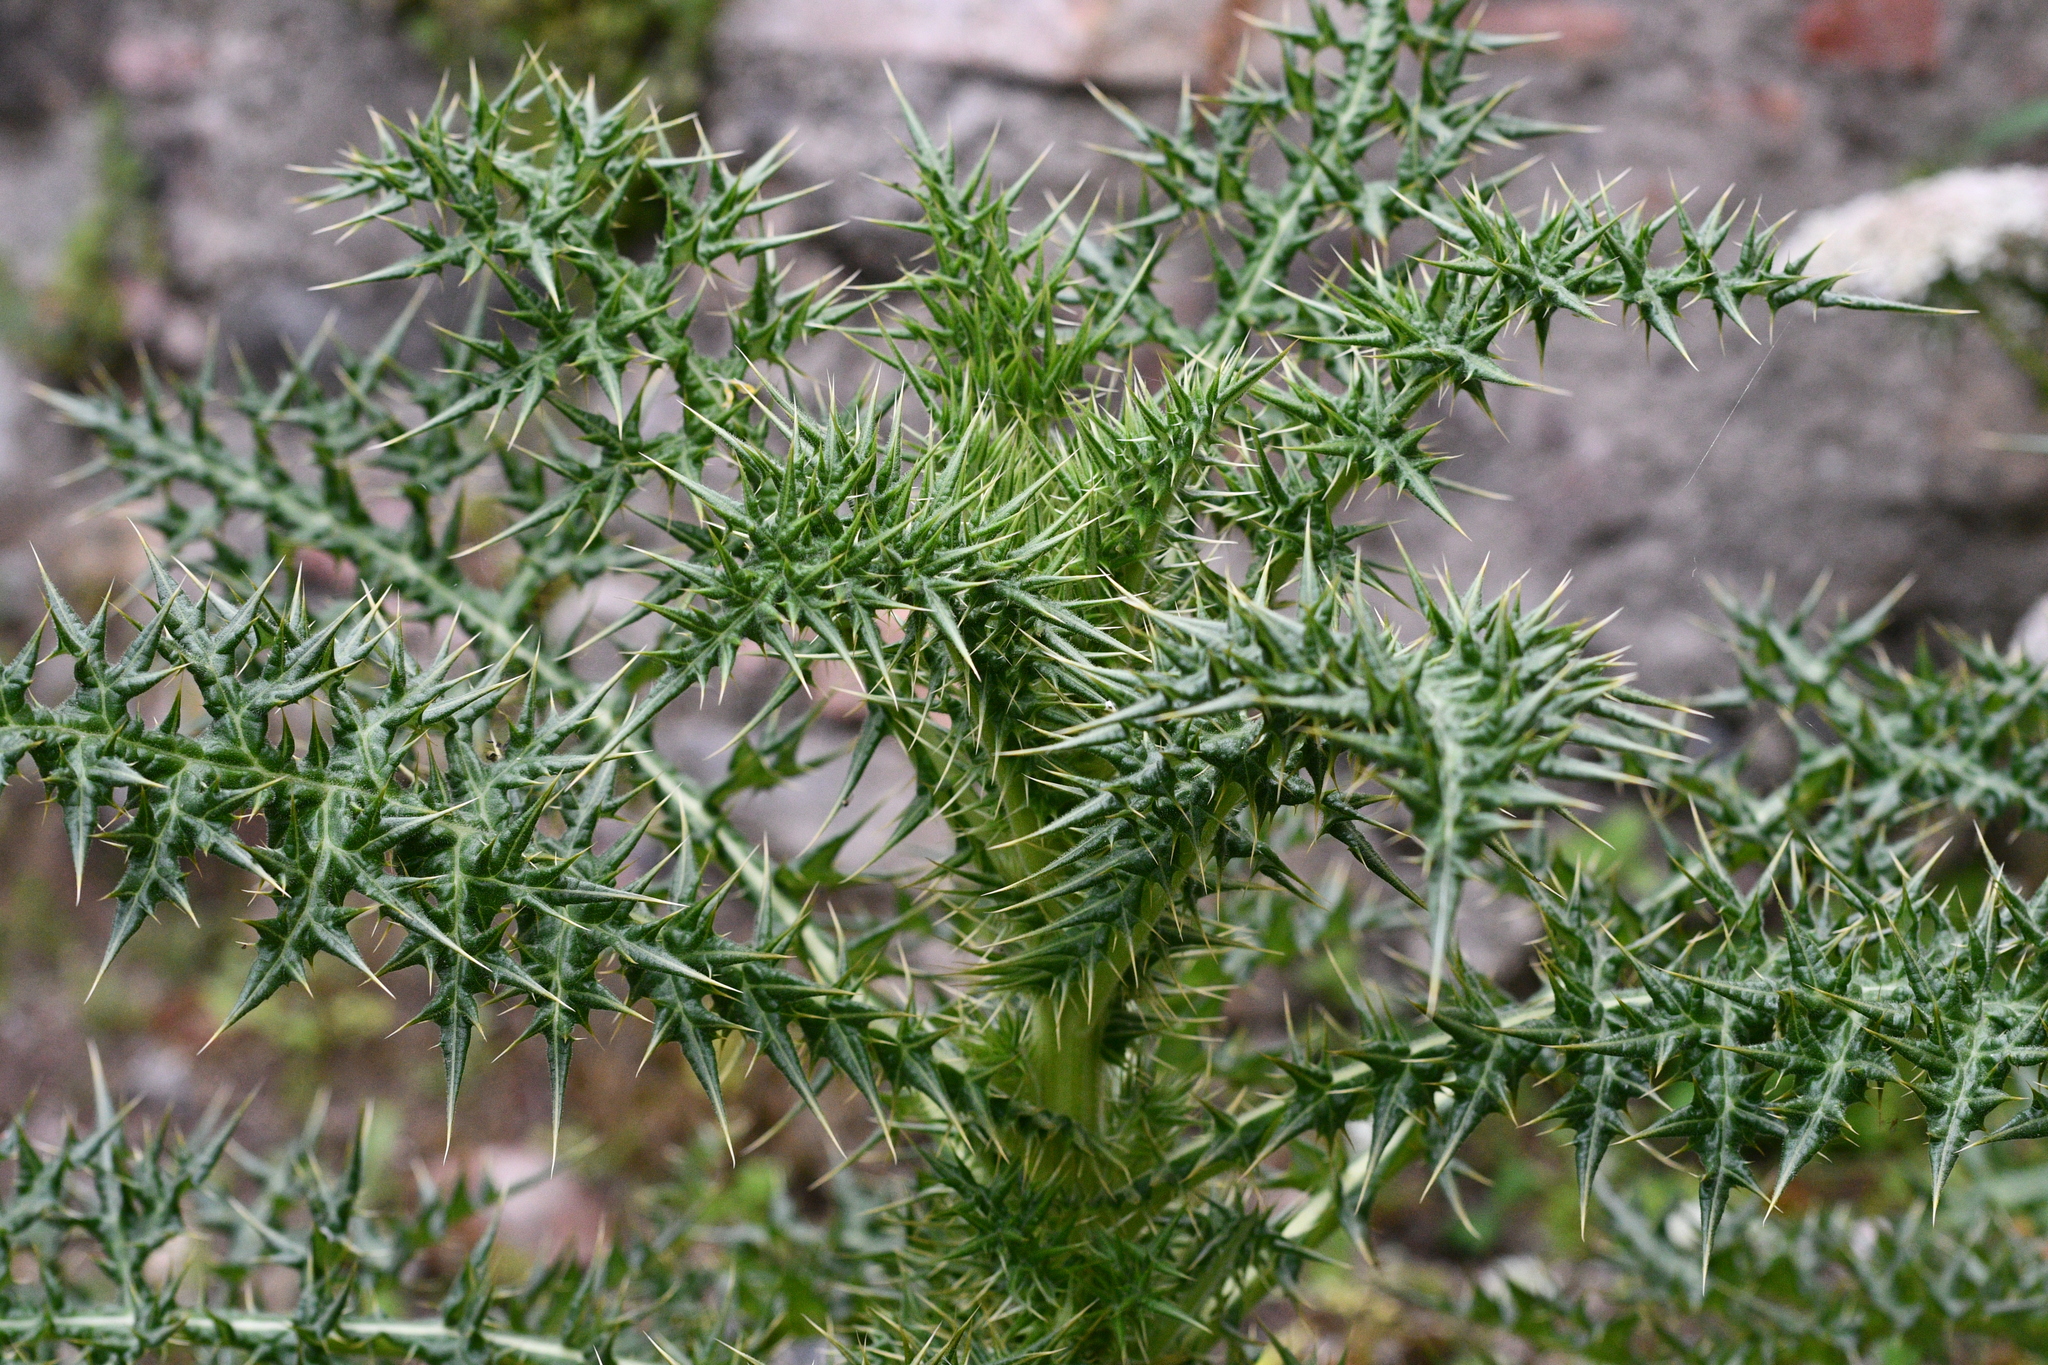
(615,42)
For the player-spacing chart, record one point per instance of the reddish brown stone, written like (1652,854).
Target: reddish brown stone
(156,65)
(1873,35)
(1778,104)
(1582,28)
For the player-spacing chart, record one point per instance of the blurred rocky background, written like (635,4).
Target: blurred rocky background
(147,201)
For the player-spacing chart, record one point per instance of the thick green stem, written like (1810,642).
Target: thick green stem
(1065,1046)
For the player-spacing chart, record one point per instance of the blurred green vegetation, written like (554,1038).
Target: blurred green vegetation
(75,321)
(617,43)
(1624,844)
(2020,124)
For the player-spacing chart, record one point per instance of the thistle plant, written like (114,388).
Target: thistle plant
(1091,570)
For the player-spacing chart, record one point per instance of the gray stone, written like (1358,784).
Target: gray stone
(1122,43)
(217,99)
(845,131)
(49,57)
(225,97)
(1849,446)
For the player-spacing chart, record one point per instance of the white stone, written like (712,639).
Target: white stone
(1897,244)
(2030,636)
(1123,43)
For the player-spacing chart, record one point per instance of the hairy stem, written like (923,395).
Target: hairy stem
(1065,1045)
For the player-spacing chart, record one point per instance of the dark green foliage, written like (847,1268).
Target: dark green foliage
(194,1245)
(451,850)
(1006,547)
(1836,968)
(1820,1287)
